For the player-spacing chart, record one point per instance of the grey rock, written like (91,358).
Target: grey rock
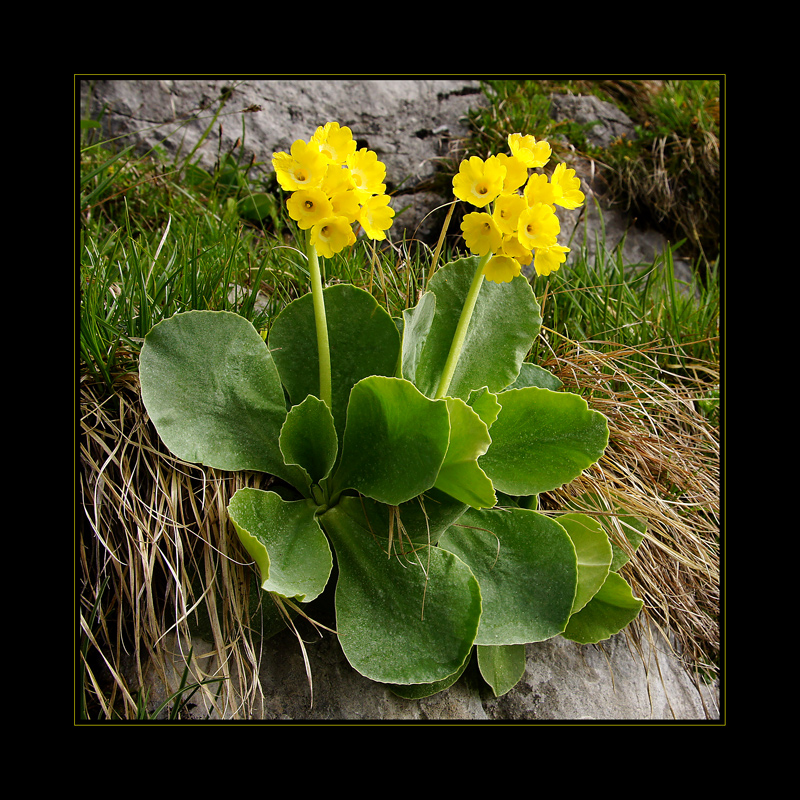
(606,120)
(410,124)
(619,680)
(598,229)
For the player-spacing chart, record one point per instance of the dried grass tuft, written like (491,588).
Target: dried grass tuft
(158,559)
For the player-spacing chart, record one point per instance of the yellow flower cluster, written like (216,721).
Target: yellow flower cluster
(521,223)
(333,186)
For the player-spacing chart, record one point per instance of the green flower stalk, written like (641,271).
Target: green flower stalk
(333,186)
(520,225)
(321,322)
(461,329)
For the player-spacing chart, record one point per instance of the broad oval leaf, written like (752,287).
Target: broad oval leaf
(308,438)
(362,336)
(594,555)
(607,613)
(460,476)
(213,393)
(534,375)
(620,526)
(285,540)
(502,666)
(541,440)
(417,323)
(493,350)
(403,617)
(394,443)
(484,404)
(526,566)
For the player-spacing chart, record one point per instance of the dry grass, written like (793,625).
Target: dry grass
(662,466)
(157,554)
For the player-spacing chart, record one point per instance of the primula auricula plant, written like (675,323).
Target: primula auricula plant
(412,449)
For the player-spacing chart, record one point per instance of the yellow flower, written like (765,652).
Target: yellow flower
(335,142)
(501,269)
(548,259)
(539,190)
(512,246)
(339,187)
(538,226)
(337,179)
(308,206)
(345,204)
(507,209)
(481,233)
(376,216)
(567,187)
(530,152)
(478,181)
(303,168)
(331,235)
(516,172)
(367,172)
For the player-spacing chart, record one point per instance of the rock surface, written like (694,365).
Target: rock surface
(410,124)
(633,677)
(619,680)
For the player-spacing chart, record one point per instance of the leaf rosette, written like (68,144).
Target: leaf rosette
(391,470)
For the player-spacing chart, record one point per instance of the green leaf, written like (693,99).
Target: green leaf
(417,691)
(617,523)
(493,349)
(634,530)
(408,616)
(417,323)
(259,206)
(526,566)
(394,443)
(213,393)
(594,555)
(308,439)
(363,339)
(502,666)
(607,613)
(460,476)
(421,520)
(542,440)
(485,405)
(286,542)
(534,375)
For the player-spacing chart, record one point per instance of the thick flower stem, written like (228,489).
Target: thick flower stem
(461,329)
(323,348)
